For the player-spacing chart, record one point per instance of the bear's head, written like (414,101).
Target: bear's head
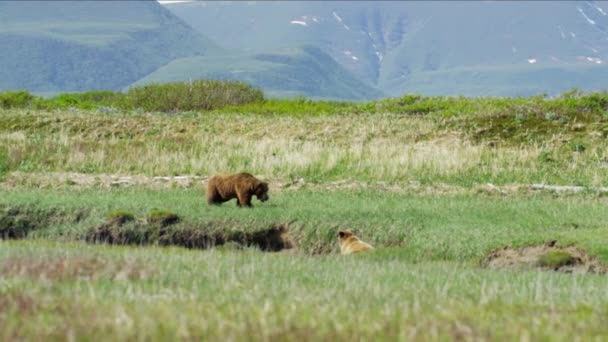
(344,234)
(261,191)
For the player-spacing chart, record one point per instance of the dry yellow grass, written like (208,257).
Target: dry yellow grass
(379,147)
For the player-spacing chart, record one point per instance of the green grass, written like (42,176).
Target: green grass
(555,259)
(461,228)
(167,293)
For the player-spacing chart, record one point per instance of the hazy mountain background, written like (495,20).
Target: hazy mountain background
(52,46)
(348,50)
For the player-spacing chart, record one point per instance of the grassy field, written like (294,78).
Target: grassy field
(407,175)
(62,291)
(460,228)
(424,281)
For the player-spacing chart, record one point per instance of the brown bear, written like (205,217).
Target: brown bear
(349,243)
(242,186)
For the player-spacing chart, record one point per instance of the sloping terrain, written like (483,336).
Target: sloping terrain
(396,45)
(286,72)
(84,45)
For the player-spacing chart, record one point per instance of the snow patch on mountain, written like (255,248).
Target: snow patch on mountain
(561,32)
(589,20)
(339,19)
(305,20)
(599,9)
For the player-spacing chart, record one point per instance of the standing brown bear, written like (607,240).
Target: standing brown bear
(242,186)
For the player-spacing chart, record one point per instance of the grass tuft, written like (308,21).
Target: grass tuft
(119,217)
(162,217)
(556,259)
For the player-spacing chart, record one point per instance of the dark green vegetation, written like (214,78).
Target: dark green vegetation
(201,95)
(197,95)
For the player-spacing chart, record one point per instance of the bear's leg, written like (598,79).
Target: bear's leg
(214,198)
(244,200)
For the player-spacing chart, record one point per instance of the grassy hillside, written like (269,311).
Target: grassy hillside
(87,45)
(395,45)
(305,71)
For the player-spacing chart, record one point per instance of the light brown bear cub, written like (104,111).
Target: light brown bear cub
(242,186)
(349,243)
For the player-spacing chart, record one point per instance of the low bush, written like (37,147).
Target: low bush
(16,99)
(196,95)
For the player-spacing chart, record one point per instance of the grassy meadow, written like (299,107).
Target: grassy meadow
(409,175)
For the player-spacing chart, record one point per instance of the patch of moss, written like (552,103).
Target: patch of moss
(556,259)
(162,217)
(119,217)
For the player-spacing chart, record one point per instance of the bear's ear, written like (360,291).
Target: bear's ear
(282,228)
(341,234)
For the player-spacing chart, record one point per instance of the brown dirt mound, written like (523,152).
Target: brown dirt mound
(272,239)
(548,257)
(16,222)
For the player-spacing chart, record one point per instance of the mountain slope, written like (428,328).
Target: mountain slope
(83,45)
(287,72)
(548,46)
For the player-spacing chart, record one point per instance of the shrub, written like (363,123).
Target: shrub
(16,99)
(87,100)
(197,95)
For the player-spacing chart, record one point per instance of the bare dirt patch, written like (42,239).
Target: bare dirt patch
(73,180)
(75,267)
(548,257)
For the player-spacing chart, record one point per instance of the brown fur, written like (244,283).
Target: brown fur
(349,243)
(242,186)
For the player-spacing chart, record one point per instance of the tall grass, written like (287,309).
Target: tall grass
(98,293)
(389,148)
